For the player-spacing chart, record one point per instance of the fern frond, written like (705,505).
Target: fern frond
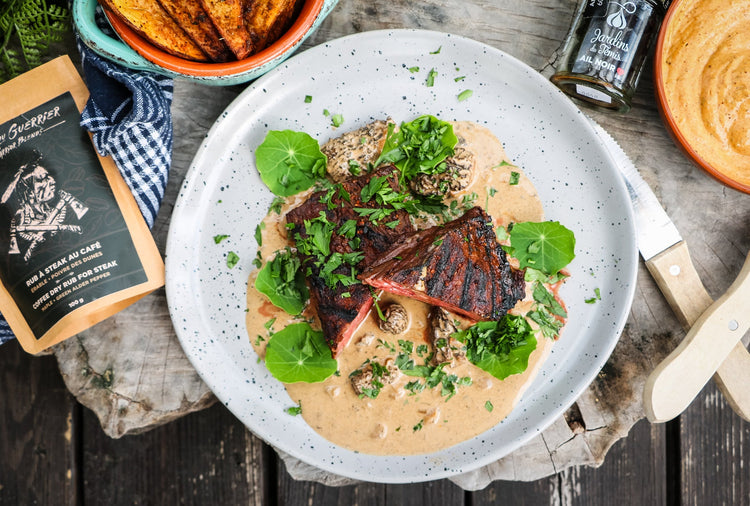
(27,27)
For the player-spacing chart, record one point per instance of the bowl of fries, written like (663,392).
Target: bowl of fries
(218,42)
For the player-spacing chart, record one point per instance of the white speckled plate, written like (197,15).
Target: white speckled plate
(365,77)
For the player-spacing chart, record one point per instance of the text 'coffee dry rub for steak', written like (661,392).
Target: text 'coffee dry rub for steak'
(406,282)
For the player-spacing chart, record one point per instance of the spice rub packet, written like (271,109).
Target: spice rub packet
(74,248)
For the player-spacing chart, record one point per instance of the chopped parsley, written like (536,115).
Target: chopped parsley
(276,205)
(437,51)
(258,233)
(430,81)
(308,99)
(488,406)
(295,410)
(514,178)
(283,282)
(501,348)
(220,237)
(337,120)
(597,296)
(419,146)
(464,95)
(232,259)
(354,168)
(414,69)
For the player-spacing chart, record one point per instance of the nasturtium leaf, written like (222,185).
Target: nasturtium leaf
(501,348)
(289,162)
(299,353)
(283,282)
(547,246)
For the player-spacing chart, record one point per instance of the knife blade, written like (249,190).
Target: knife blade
(668,260)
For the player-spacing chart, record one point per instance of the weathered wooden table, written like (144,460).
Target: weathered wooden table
(60,435)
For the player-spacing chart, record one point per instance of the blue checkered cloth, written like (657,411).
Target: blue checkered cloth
(129,115)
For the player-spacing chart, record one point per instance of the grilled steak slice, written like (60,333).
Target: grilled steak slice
(342,307)
(459,266)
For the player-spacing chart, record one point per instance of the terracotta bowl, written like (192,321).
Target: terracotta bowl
(685,142)
(135,52)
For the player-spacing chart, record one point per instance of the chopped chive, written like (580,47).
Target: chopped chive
(464,95)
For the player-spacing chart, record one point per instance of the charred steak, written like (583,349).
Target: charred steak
(459,266)
(341,301)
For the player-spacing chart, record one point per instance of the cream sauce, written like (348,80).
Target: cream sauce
(398,422)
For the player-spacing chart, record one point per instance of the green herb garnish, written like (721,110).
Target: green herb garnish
(514,178)
(501,348)
(488,406)
(276,205)
(295,410)
(259,233)
(289,162)
(337,120)
(299,353)
(308,99)
(597,296)
(465,95)
(220,237)
(547,246)
(419,146)
(283,282)
(232,259)
(430,81)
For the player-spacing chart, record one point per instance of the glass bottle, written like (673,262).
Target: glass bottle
(605,49)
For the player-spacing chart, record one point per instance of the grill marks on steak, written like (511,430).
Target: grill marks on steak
(339,315)
(459,266)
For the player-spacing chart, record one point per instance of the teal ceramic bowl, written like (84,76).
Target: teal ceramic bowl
(134,52)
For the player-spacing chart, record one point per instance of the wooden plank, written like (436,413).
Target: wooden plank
(714,446)
(204,458)
(429,493)
(292,492)
(633,473)
(38,436)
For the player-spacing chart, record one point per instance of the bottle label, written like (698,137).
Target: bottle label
(593,93)
(611,41)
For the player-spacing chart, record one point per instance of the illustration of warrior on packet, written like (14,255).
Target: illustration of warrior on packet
(42,208)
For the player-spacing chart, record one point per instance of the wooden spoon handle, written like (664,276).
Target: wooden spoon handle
(715,333)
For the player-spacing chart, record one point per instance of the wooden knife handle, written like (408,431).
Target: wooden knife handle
(709,346)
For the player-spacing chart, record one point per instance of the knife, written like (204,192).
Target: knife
(713,346)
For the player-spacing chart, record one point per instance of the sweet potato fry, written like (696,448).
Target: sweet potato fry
(227,17)
(193,19)
(152,22)
(267,20)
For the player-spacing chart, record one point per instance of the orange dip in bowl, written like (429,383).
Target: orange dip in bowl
(703,81)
